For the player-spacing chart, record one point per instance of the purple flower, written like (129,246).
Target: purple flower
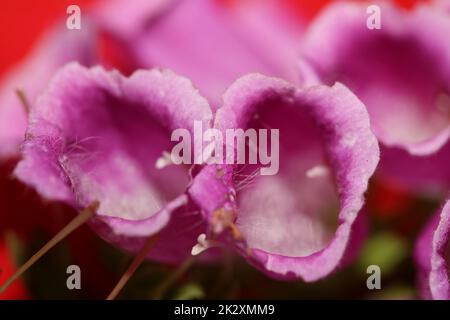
(433,256)
(301,222)
(402,74)
(98,136)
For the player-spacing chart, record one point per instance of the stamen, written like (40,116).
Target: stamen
(149,243)
(219,172)
(80,219)
(203,244)
(23,100)
(163,161)
(224,219)
(317,171)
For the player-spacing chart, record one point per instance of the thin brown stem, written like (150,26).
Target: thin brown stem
(150,242)
(23,100)
(174,276)
(80,219)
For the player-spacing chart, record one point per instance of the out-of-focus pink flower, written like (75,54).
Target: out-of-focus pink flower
(300,222)
(433,256)
(402,74)
(97,136)
(203,40)
(57,47)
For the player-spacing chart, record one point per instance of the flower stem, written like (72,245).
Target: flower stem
(150,242)
(23,100)
(174,276)
(80,219)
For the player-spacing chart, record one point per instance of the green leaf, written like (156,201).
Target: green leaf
(385,250)
(190,291)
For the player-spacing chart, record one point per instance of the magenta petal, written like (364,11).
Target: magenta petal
(401,72)
(56,48)
(326,148)
(178,229)
(96,135)
(433,256)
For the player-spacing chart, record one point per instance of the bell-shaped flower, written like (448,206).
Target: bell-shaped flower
(291,203)
(99,137)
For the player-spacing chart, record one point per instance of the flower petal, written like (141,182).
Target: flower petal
(433,256)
